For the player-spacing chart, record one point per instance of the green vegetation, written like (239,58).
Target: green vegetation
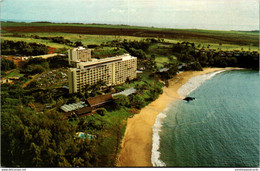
(34,133)
(7,64)
(120,101)
(32,40)
(84,39)
(28,128)
(102,52)
(23,48)
(45,140)
(14,73)
(40,24)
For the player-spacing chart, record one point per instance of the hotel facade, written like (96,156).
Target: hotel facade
(77,55)
(113,71)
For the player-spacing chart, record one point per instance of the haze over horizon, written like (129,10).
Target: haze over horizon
(189,14)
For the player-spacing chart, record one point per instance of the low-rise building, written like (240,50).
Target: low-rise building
(100,100)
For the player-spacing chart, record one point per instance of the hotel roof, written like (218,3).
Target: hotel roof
(95,62)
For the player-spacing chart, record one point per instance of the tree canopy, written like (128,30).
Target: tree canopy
(7,64)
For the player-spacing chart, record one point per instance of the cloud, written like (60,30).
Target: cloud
(144,12)
(117,10)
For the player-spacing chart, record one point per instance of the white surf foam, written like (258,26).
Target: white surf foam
(155,158)
(195,82)
(186,89)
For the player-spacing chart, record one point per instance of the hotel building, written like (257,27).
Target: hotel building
(79,54)
(114,70)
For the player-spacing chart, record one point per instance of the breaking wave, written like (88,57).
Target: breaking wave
(195,82)
(155,158)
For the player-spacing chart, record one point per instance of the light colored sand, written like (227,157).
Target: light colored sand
(137,142)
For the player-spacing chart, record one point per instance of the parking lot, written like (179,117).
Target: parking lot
(54,78)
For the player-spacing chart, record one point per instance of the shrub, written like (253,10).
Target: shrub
(102,111)
(120,101)
(137,102)
(7,64)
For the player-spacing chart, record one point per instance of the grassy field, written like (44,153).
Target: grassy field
(40,24)
(160,60)
(14,73)
(85,39)
(230,40)
(99,39)
(249,38)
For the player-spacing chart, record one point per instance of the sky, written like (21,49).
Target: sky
(200,14)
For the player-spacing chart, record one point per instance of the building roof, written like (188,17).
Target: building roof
(126,92)
(163,69)
(79,48)
(73,106)
(84,110)
(105,60)
(94,101)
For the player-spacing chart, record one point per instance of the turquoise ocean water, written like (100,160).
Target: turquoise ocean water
(218,129)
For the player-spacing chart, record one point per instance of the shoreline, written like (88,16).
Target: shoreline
(137,142)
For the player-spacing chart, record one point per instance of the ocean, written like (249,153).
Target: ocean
(220,128)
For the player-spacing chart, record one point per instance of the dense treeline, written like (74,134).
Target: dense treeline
(188,56)
(7,64)
(9,47)
(58,61)
(33,139)
(39,65)
(186,52)
(136,48)
(146,93)
(13,94)
(60,40)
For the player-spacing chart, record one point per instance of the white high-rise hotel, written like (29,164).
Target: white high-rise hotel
(113,70)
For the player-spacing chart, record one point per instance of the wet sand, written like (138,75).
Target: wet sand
(137,142)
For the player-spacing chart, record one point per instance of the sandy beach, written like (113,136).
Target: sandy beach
(137,142)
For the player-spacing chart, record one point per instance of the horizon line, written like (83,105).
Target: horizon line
(94,23)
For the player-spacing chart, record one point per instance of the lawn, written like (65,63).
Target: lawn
(160,60)
(99,39)
(145,78)
(231,40)
(194,35)
(15,73)
(85,39)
